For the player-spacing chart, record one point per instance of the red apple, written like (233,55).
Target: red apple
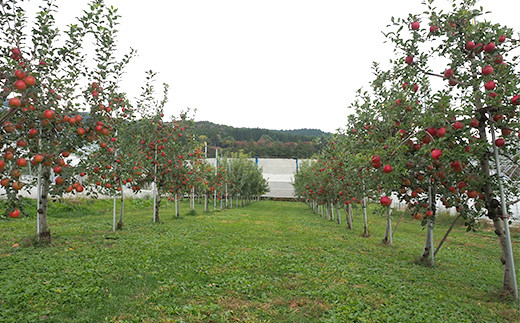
(29,80)
(385,201)
(15,102)
(500,142)
(32,133)
(461,185)
(432,131)
(487,70)
(502,38)
(489,47)
(19,74)
(456,165)
(387,169)
(515,100)
(409,60)
(470,45)
(472,194)
(22,162)
(415,25)
(20,85)
(38,158)
(506,131)
(436,153)
(441,132)
(448,73)
(458,125)
(14,214)
(59,180)
(490,85)
(474,123)
(49,114)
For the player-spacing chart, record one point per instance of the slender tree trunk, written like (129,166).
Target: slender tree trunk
(44,234)
(206,201)
(120,222)
(338,213)
(365,220)
(428,257)
(114,214)
(348,213)
(192,200)
(157,205)
(447,233)
(507,284)
(177,205)
(387,240)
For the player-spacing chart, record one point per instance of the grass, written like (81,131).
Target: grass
(267,262)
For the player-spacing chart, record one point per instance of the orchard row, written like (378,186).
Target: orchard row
(70,122)
(432,128)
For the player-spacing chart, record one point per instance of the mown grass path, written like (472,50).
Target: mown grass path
(267,262)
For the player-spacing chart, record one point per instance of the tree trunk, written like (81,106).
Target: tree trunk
(428,257)
(365,220)
(177,205)
(157,205)
(348,213)
(206,201)
(114,214)
(507,284)
(120,222)
(192,200)
(387,240)
(44,233)
(338,214)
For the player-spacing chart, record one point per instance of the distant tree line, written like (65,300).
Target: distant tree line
(264,143)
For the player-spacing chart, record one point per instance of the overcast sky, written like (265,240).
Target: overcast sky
(277,64)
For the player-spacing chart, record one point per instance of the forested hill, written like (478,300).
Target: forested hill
(301,143)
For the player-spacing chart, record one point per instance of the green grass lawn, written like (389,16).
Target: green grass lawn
(267,262)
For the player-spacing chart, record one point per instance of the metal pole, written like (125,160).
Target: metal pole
(505,216)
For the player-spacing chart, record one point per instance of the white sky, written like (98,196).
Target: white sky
(276,64)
